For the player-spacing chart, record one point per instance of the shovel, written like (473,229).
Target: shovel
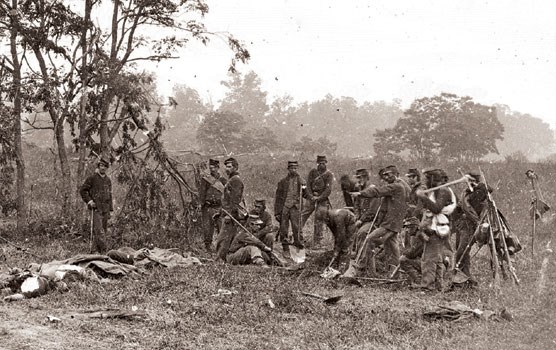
(329,272)
(297,254)
(328,301)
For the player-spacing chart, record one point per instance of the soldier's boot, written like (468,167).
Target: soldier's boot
(412,277)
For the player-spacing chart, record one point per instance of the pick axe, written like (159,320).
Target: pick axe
(464,178)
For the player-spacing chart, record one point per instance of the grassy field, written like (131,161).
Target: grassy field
(184,310)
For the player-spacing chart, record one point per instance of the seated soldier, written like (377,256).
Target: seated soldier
(259,209)
(263,231)
(341,222)
(410,261)
(246,248)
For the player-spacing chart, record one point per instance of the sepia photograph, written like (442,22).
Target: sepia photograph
(279,174)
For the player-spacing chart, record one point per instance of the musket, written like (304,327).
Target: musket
(503,231)
(271,253)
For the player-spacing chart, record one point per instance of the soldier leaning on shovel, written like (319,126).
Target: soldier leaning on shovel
(210,197)
(96,191)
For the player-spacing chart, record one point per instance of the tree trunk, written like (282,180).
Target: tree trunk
(20,163)
(58,119)
(82,124)
(66,186)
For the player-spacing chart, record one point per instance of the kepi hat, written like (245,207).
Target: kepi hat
(361,173)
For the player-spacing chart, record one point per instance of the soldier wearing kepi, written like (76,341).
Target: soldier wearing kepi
(246,248)
(231,208)
(96,191)
(265,229)
(365,211)
(287,207)
(472,202)
(394,202)
(210,197)
(435,224)
(415,209)
(319,187)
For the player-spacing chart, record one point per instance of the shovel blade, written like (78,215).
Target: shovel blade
(459,277)
(333,300)
(352,270)
(297,255)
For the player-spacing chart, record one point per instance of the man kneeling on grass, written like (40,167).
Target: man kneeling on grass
(246,248)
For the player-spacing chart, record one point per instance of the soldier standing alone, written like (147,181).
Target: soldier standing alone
(96,191)
(287,207)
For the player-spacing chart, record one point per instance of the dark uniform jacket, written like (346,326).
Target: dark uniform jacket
(209,195)
(319,186)
(394,204)
(233,195)
(98,189)
(437,246)
(243,239)
(366,208)
(266,218)
(341,223)
(282,193)
(415,249)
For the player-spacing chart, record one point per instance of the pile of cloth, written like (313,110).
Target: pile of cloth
(39,279)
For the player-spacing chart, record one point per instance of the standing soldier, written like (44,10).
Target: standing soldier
(415,209)
(210,196)
(319,187)
(231,208)
(287,207)
(437,251)
(473,201)
(96,191)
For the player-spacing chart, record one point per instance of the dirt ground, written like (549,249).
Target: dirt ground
(218,306)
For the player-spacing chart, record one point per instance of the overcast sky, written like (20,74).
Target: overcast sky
(495,51)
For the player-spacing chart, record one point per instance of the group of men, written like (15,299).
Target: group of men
(406,221)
